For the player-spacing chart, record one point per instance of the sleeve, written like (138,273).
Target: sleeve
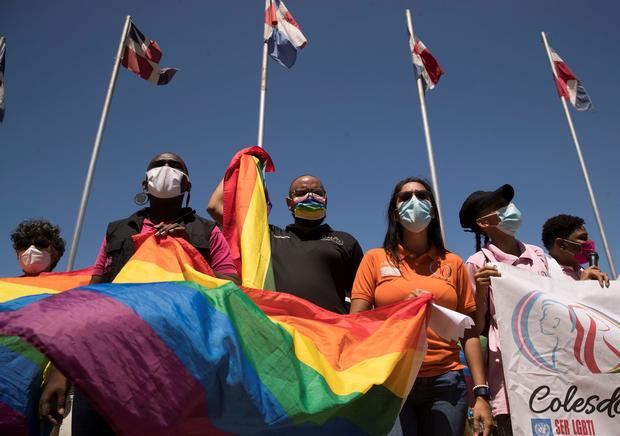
(466,302)
(365,281)
(103,262)
(471,270)
(482,303)
(219,253)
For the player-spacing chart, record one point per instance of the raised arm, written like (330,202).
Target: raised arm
(215,208)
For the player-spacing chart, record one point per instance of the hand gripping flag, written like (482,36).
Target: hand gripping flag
(246,206)
(2,56)
(282,33)
(192,354)
(424,62)
(142,56)
(569,87)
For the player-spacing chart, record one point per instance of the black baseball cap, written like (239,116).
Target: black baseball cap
(480,200)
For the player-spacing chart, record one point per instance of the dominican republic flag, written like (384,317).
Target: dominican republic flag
(2,51)
(282,33)
(142,56)
(425,63)
(568,85)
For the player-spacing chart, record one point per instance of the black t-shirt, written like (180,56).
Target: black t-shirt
(318,266)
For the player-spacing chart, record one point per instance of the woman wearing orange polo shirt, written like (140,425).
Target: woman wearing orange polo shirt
(413,260)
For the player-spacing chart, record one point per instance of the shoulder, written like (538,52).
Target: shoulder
(278,231)
(536,249)
(346,238)
(453,258)
(136,217)
(477,259)
(375,254)
(205,221)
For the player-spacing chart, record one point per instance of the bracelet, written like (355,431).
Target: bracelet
(482,391)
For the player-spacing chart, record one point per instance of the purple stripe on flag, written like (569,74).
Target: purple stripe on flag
(101,372)
(12,422)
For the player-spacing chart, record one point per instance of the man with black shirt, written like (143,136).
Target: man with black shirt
(309,258)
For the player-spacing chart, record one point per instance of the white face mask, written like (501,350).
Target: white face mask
(165,182)
(33,261)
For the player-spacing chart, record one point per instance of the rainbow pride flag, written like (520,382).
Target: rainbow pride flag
(21,364)
(194,354)
(245,216)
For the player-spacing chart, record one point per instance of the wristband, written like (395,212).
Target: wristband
(482,391)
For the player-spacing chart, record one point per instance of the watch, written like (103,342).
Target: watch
(482,391)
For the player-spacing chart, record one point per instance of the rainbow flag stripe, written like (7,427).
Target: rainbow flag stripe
(21,365)
(203,356)
(245,216)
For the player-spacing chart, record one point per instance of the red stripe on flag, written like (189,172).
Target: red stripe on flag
(564,74)
(430,64)
(270,15)
(153,52)
(289,18)
(137,64)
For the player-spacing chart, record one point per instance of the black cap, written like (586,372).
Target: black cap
(480,200)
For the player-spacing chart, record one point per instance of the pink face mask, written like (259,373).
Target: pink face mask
(586,248)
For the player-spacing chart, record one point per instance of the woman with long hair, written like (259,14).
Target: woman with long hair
(413,260)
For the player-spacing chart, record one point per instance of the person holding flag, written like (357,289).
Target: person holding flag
(308,258)
(166,184)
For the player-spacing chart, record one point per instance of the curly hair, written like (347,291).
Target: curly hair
(394,233)
(560,226)
(30,230)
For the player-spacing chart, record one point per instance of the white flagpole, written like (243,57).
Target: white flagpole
(93,158)
(427,134)
(583,165)
(263,92)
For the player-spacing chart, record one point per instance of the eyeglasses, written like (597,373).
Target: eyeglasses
(302,192)
(40,243)
(420,195)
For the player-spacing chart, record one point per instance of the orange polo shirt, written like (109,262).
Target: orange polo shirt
(380,282)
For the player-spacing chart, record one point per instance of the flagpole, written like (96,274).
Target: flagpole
(93,158)
(582,162)
(427,135)
(263,93)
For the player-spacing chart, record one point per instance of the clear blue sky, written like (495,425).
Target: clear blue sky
(347,111)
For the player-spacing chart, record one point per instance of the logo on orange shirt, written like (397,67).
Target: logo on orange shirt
(440,271)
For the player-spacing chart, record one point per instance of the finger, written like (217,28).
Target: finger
(477,424)
(606,280)
(60,402)
(44,411)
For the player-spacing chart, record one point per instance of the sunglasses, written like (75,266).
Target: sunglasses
(302,192)
(40,243)
(420,195)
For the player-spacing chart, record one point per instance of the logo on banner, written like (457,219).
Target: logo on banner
(554,336)
(541,427)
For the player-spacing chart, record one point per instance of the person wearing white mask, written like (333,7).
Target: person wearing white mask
(492,215)
(414,260)
(166,184)
(38,246)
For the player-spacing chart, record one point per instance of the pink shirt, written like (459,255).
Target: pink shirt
(219,252)
(533,259)
(557,271)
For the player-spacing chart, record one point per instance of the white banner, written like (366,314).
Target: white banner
(560,344)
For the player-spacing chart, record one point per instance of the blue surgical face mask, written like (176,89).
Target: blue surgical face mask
(510,219)
(415,215)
